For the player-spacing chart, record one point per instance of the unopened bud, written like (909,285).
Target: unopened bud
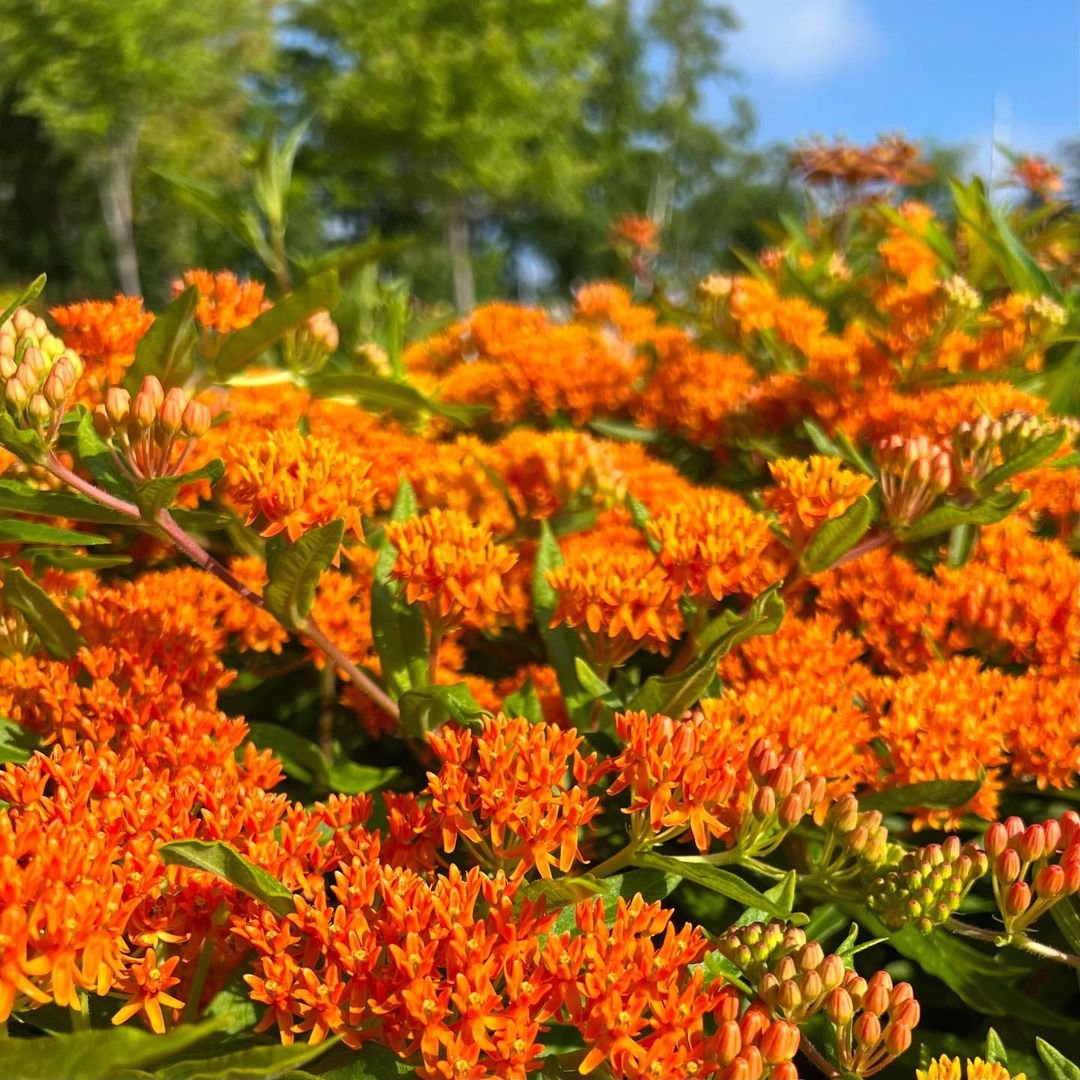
(1007,866)
(897,1039)
(16,393)
(791,811)
(38,409)
(102,424)
(764,804)
(839,1007)
(143,410)
(196,420)
(779,1042)
(876,1000)
(728,1041)
(1018,898)
(810,956)
(1050,882)
(171,413)
(867,1029)
(55,391)
(1032,843)
(117,404)
(831,971)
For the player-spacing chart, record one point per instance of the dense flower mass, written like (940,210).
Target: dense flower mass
(666,685)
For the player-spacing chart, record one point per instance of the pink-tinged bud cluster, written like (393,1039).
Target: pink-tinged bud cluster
(1033,866)
(856,843)
(779,796)
(872,1021)
(37,373)
(1020,429)
(757,947)
(749,1044)
(974,449)
(797,985)
(153,432)
(314,344)
(914,473)
(927,885)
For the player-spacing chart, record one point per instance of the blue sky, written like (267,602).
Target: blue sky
(928,68)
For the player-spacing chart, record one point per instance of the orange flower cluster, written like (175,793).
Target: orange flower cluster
(808,493)
(104,333)
(225,303)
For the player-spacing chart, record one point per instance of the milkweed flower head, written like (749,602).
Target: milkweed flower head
(949,1068)
(292,483)
(452,568)
(807,493)
(104,332)
(225,302)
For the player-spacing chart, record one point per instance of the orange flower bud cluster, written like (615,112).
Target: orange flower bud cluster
(452,568)
(872,1021)
(927,885)
(914,473)
(856,843)
(810,492)
(225,303)
(797,985)
(519,789)
(295,483)
(314,344)
(154,431)
(1047,853)
(37,374)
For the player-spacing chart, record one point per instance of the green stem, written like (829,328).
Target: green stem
(202,967)
(80,1018)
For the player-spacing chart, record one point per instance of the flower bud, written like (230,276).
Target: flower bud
(36,364)
(867,1029)
(55,391)
(143,410)
(151,386)
(117,404)
(1018,898)
(196,420)
(728,1041)
(23,319)
(810,956)
(1050,882)
(753,1022)
(764,804)
(844,814)
(897,1039)
(876,1000)
(791,811)
(1032,843)
(907,1013)
(789,997)
(171,413)
(779,1042)
(8,366)
(1007,867)
(16,393)
(784,1070)
(831,972)
(839,1007)
(38,409)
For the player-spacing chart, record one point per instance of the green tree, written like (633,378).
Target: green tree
(451,111)
(114,84)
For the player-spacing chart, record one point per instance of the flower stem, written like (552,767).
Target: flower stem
(817,1058)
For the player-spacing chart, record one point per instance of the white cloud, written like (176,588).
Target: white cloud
(802,40)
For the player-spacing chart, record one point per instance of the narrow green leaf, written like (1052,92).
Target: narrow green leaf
(624,432)
(24,499)
(720,881)
(962,541)
(166,349)
(319,293)
(1068,922)
(1030,458)
(159,494)
(591,683)
(426,708)
(25,445)
(64,559)
(995,1048)
(820,440)
(16,742)
(674,694)
(640,516)
(52,627)
(301,759)
(782,894)
(1059,1066)
(837,537)
(27,296)
(94,1055)
(397,627)
(218,858)
(352,778)
(943,519)
(370,1062)
(375,394)
(14,530)
(251,1063)
(562,644)
(294,574)
(934,794)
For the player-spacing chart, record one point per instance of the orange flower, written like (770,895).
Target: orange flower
(621,600)
(452,568)
(150,991)
(296,483)
(637,231)
(225,303)
(104,333)
(810,492)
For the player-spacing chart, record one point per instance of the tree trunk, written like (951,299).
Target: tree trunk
(115,190)
(457,236)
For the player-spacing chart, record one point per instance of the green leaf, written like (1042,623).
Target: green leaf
(319,293)
(1068,921)
(397,627)
(838,536)
(165,350)
(63,559)
(294,573)
(525,702)
(640,516)
(24,499)
(820,440)
(591,683)
(347,261)
(674,694)
(13,530)
(204,521)
(995,1048)
(943,519)
(933,794)
(159,494)
(94,1055)
(376,394)
(301,759)
(962,541)
(16,742)
(98,460)
(218,858)
(624,432)
(782,894)
(1060,1067)
(251,1063)
(27,296)
(370,1062)
(352,778)
(52,627)
(1029,458)
(426,708)
(720,881)
(562,644)
(24,444)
